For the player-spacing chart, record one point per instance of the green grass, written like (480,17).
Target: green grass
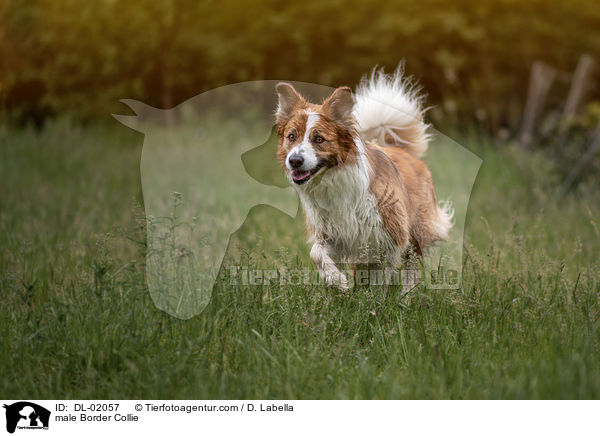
(78,321)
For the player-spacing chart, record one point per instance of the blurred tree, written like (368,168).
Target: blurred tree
(472,58)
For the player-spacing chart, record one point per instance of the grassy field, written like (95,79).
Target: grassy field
(78,321)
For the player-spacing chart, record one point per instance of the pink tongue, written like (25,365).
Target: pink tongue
(299,175)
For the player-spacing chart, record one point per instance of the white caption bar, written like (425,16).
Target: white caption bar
(88,417)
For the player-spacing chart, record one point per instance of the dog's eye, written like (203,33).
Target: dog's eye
(291,137)
(319,139)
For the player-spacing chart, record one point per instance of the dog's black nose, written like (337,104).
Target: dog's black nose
(296,160)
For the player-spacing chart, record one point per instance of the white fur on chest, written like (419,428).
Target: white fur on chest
(344,214)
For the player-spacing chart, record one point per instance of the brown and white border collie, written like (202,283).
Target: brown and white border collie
(355,162)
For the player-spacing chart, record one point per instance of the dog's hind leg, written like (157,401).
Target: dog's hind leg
(410,269)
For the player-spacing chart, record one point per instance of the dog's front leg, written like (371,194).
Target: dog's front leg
(320,254)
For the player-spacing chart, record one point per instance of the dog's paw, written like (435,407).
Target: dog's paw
(337,279)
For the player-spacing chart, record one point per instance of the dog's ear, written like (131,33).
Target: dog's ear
(340,104)
(288,99)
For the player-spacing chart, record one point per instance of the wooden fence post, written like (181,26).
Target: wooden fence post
(579,85)
(540,82)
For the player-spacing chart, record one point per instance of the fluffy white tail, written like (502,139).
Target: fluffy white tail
(388,110)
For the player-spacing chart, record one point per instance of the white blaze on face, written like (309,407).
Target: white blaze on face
(305,149)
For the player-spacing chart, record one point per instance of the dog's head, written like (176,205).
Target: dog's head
(314,138)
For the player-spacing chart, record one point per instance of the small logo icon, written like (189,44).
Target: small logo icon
(26,415)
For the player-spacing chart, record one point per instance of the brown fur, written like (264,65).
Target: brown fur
(403,187)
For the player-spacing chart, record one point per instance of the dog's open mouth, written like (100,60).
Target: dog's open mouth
(300,176)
